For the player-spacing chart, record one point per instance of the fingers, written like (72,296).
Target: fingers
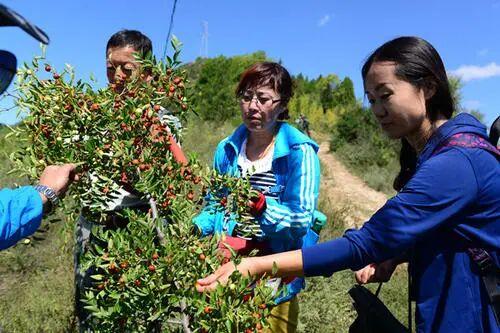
(366,274)
(220,276)
(58,177)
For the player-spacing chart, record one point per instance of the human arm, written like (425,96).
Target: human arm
(430,201)
(21,209)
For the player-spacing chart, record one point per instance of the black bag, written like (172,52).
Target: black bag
(373,315)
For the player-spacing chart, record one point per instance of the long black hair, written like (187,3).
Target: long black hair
(418,63)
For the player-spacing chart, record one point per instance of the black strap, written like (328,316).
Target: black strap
(490,274)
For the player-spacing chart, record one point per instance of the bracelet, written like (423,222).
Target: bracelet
(48,192)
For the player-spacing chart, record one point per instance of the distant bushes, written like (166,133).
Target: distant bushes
(360,143)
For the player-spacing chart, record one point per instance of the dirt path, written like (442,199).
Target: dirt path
(346,190)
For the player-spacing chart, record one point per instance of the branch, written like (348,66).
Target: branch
(154,210)
(185,317)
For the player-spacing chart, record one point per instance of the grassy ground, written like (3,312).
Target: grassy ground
(36,280)
(325,305)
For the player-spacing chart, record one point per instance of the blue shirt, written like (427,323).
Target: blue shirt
(286,222)
(453,198)
(20,214)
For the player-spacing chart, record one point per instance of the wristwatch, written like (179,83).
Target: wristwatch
(49,193)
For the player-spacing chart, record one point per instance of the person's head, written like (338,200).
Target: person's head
(264,91)
(121,63)
(406,84)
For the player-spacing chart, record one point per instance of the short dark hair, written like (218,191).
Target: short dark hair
(133,38)
(269,74)
(418,63)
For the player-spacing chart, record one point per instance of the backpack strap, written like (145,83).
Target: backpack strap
(490,273)
(468,140)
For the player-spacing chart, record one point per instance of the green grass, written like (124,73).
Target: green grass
(36,280)
(325,305)
(359,160)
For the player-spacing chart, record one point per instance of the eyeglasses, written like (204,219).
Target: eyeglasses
(262,100)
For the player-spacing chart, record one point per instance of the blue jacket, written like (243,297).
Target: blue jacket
(453,198)
(286,221)
(20,214)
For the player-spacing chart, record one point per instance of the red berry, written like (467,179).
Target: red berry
(56,76)
(223,202)
(124,265)
(262,306)
(155,256)
(184,107)
(152,268)
(202,257)
(157,107)
(94,107)
(112,269)
(207,309)
(48,68)
(137,283)
(171,88)
(247,297)
(190,195)
(177,80)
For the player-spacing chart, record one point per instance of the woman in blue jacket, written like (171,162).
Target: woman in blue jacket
(449,201)
(282,164)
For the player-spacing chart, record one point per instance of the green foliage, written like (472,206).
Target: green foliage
(217,78)
(361,144)
(145,273)
(343,94)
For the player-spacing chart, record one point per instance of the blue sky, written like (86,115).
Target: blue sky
(312,37)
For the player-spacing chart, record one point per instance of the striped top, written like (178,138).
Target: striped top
(261,177)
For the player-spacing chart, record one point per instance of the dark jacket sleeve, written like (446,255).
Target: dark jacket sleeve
(443,187)
(20,214)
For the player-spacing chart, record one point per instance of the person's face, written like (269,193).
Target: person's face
(398,105)
(260,109)
(121,65)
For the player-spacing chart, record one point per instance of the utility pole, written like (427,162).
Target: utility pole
(204,40)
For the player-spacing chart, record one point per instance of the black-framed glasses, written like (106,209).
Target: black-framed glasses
(8,65)
(262,100)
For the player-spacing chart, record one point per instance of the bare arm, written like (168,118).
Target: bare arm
(288,263)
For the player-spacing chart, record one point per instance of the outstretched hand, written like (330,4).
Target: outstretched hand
(222,274)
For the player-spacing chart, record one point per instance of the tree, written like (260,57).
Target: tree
(214,97)
(343,95)
(145,273)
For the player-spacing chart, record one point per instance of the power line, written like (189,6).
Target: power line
(170,29)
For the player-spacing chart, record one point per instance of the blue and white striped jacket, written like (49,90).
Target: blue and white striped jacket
(287,219)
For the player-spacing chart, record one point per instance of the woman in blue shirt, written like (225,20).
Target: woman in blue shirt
(449,198)
(282,164)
